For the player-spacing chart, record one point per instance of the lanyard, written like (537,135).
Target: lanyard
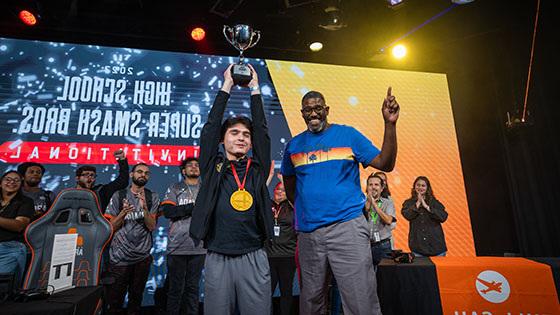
(240,185)
(374,214)
(276,212)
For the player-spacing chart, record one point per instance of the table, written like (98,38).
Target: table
(76,301)
(452,285)
(408,288)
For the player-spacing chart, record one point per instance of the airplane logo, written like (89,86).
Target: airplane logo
(492,286)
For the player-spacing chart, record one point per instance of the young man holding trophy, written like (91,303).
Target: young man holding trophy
(232,212)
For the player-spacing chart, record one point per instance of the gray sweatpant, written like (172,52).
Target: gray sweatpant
(345,247)
(243,279)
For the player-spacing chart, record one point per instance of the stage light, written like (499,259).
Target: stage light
(333,19)
(461,1)
(198,34)
(399,51)
(27,17)
(394,3)
(316,46)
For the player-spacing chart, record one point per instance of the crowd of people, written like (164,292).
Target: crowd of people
(222,219)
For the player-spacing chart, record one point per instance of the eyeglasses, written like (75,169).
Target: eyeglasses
(309,109)
(92,175)
(12,180)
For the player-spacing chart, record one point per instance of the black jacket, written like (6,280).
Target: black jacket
(213,165)
(425,234)
(104,192)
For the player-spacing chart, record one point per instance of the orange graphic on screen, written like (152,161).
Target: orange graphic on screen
(427,141)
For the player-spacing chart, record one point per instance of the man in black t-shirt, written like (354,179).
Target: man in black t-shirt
(232,211)
(87,174)
(32,173)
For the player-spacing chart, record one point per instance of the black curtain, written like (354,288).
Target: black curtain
(532,150)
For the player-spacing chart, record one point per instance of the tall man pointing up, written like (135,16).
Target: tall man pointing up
(322,179)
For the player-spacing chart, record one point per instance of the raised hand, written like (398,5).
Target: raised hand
(119,154)
(390,108)
(425,205)
(254,83)
(228,80)
(419,200)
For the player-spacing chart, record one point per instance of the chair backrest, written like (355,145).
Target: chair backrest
(73,211)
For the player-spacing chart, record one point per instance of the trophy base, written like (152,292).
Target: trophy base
(241,74)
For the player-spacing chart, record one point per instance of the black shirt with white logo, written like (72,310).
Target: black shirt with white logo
(234,232)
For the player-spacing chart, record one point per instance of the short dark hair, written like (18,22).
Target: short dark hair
(187,161)
(386,191)
(85,168)
(139,164)
(312,94)
(234,120)
(22,168)
(376,176)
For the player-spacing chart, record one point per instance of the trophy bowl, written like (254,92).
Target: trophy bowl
(241,37)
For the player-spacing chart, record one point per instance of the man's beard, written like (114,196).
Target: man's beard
(84,185)
(32,183)
(140,182)
(318,128)
(192,176)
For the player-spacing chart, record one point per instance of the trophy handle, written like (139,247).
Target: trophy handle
(228,32)
(253,43)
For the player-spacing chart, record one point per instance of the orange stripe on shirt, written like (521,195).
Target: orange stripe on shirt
(168,202)
(319,156)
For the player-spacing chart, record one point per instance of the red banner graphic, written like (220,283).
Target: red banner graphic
(93,153)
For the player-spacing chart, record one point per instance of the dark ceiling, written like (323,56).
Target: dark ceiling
(287,26)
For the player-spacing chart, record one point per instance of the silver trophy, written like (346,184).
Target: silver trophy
(242,37)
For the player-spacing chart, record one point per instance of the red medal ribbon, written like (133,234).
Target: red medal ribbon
(240,185)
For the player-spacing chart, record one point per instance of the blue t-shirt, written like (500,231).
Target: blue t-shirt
(327,175)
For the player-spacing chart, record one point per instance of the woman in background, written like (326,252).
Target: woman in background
(425,214)
(281,253)
(16,212)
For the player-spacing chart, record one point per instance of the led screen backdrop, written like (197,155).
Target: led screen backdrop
(427,142)
(65,105)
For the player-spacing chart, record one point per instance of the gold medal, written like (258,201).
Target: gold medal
(241,200)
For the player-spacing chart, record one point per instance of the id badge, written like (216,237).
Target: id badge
(276,230)
(376,237)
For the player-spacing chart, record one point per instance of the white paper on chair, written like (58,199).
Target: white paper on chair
(62,261)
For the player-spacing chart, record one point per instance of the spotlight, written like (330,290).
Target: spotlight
(316,46)
(399,51)
(461,1)
(27,17)
(394,3)
(198,34)
(334,19)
